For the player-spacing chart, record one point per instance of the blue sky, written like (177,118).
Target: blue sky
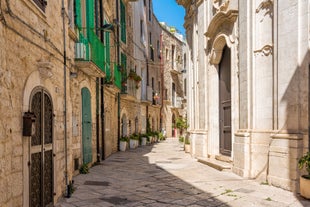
(170,12)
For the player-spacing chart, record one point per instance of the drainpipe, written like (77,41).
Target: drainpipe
(117,61)
(97,120)
(65,97)
(162,80)
(102,118)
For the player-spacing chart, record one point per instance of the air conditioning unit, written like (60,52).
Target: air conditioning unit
(80,51)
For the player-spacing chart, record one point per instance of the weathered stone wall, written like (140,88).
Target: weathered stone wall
(31,56)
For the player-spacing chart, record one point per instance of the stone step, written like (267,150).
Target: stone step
(216,164)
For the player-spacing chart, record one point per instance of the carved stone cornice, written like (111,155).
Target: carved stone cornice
(266,50)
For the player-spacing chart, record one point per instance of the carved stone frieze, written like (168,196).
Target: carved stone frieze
(266,50)
(267,6)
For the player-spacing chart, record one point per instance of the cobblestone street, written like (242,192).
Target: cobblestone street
(163,175)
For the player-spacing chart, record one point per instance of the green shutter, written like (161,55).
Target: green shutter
(123,22)
(78,18)
(107,55)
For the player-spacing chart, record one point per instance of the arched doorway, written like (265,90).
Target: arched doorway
(86,126)
(124,126)
(41,150)
(225,102)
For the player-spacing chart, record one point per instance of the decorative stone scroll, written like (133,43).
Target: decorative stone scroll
(221,6)
(266,5)
(265,50)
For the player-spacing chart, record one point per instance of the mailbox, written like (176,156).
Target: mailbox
(29,124)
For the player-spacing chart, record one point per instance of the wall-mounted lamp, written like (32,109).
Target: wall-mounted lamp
(106,28)
(73,74)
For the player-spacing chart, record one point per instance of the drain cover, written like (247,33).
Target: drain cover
(116,200)
(244,190)
(99,183)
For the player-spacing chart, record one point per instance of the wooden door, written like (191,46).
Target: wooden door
(41,151)
(86,126)
(225,102)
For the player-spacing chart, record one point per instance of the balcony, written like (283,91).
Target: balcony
(89,54)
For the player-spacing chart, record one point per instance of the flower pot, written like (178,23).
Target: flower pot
(187,148)
(143,141)
(122,146)
(132,143)
(304,187)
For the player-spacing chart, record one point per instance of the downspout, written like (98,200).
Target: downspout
(117,61)
(162,81)
(65,98)
(97,91)
(97,120)
(102,118)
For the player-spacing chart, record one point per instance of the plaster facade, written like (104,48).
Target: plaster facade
(269,60)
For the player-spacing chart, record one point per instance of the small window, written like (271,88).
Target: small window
(41,4)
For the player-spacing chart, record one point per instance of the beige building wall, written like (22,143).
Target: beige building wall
(31,57)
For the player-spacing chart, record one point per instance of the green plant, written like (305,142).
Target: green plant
(181,124)
(181,139)
(124,139)
(134,136)
(84,169)
(304,162)
(187,140)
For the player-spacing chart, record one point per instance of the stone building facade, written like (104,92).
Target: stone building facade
(174,73)
(32,80)
(248,99)
(67,93)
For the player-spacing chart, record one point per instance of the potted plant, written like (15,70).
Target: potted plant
(304,162)
(144,139)
(187,145)
(134,141)
(123,143)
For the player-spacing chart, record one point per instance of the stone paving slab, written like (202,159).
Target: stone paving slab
(163,175)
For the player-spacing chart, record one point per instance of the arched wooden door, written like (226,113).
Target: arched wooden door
(86,126)
(41,151)
(225,102)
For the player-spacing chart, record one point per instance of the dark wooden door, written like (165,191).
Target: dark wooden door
(41,151)
(225,102)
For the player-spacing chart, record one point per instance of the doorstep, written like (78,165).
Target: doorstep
(216,164)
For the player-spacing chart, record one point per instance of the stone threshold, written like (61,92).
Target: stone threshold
(216,164)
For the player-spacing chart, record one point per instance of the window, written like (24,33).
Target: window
(184,83)
(167,54)
(184,61)
(173,95)
(141,31)
(150,10)
(153,83)
(158,49)
(41,4)
(123,22)
(172,56)
(151,47)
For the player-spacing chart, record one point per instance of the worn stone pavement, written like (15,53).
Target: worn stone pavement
(163,175)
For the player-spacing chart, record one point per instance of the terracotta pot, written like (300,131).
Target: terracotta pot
(304,187)
(187,148)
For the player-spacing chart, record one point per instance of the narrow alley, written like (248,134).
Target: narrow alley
(163,175)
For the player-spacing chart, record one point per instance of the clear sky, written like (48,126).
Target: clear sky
(170,12)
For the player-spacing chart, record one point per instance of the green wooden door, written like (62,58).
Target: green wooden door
(86,126)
